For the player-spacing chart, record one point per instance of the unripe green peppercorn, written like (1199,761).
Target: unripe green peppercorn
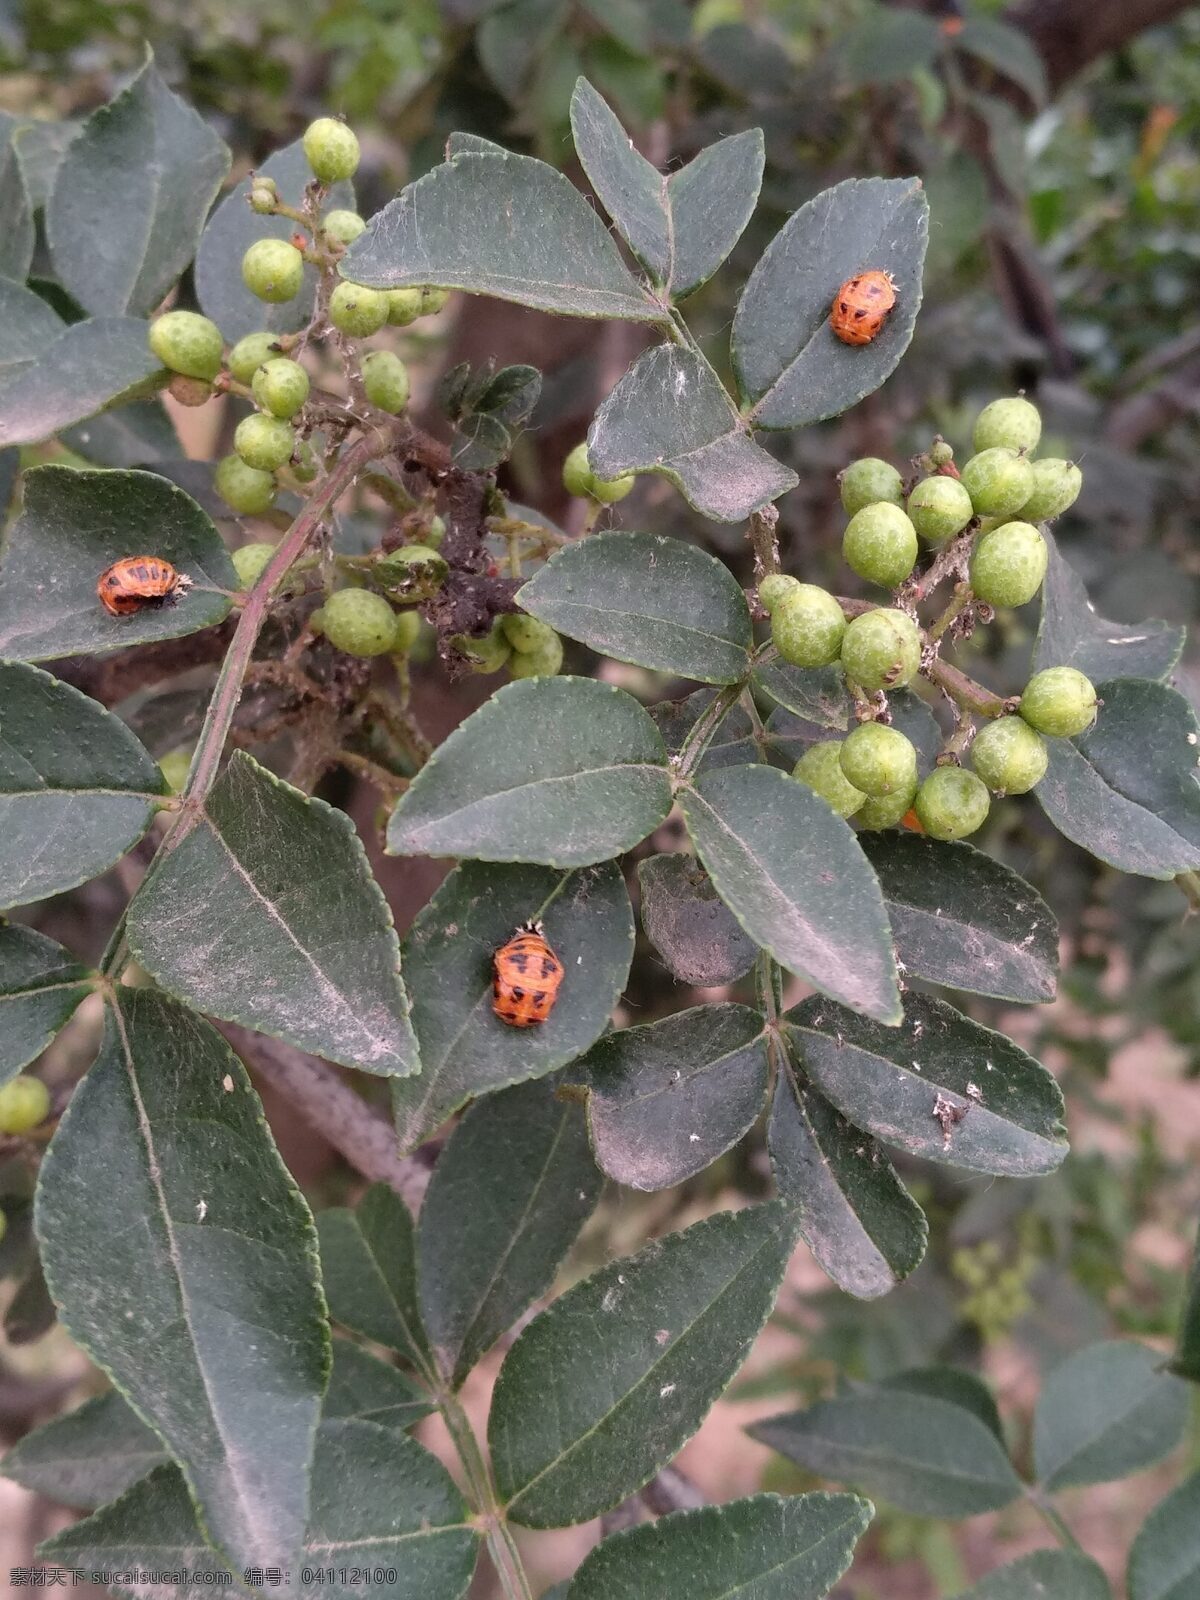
(487,653)
(526,633)
(1009,756)
(273,270)
(544,662)
(264,442)
(881,650)
(356,311)
(1056,486)
(577,475)
(1013,424)
(807,625)
(250,562)
(360,622)
(332,149)
(939,508)
(879,760)
(880,544)
(24,1102)
(187,342)
(885,810)
(868,482)
(249,353)
(408,630)
(404,306)
(1008,564)
(609,490)
(999,482)
(435,533)
(941,454)
(410,565)
(264,197)
(951,803)
(245,489)
(775,589)
(433,300)
(342,226)
(385,381)
(820,768)
(175,767)
(280,386)
(1059,701)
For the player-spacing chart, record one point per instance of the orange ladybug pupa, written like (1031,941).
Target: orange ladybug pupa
(861,306)
(138,583)
(526,980)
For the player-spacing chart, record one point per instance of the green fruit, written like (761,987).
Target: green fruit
(408,631)
(280,386)
(250,562)
(526,634)
(881,650)
(411,564)
(821,770)
(940,507)
(248,355)
(264,442)
(175,767)
(577,475)
(886,810)
(1009,756)
(880,544)
(807,625)
(385,381)
(1056,485)
(343,226)
(273,270)
(24,1102)
(1059,701)
(941,454)
(186,342)
(404,306)
(488,652)
(868,482)
(435,533)
(1008,564)
(999,482)
(356,311)
(775,589)
(332,149)
(879,760)
(952,803)
(1014,424)
(247,490)
(543,662)
(264,197)
(433,301)
(359,622)
(609,490)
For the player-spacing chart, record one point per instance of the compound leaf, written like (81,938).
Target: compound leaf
(1058,1573)
(687,922)
(1164,1563)
(369,1267)
(41,984)
(89,1456)
(1105,1412)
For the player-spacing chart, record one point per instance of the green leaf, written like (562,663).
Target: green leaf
(680,228)
(27,326)
(509,1195)
(74,525)
(1056,1574)
(860,1222)
(502,225)
(40,986)
(76,788)
(71,373)
(1164,1563)
(40,148)
(671,414)
(233,228)
(266,914)
(571,1436)
(130,198)
(1106,1412)
(657,602)
(19,235)
(362,1386)
(818,694)
(369,1268)
(732,745)
(887,46)
(560,771)
(889,1081)
(691,927)
(466,1050)
(790,364)
(87,1457)
(30,1312)
(191,1194)
(1126,790)
(1072,634)
(137,435)
(1009,50)
(1186,1360)
(792,873)
(963,920)
(665,1100)
(762,1548)
(924,1445)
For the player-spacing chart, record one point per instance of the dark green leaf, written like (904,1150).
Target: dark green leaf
(1187,1341)
(1105,1412)
(917,722)
(72,375)
(1164,1563)
(963,920)
(77,523)
(40,147)
(561,771)
(369,1267)
(266,914)
(1056,1574)
(860,1222)
(233,228)
(923,1446)
(789,362)
(657,602)
(137,435)
(27,327)
(887,45)
(481,443)
(87,1457)
(230,1381)
(502,225)
(30,1312)
(570,1435)
(689,925)
(19,234)
(510,41)
(130,198)
(818,694)
(76,788)
(1072,634)
(40,987)
(670,414)
(938,1086)
(466,1050)
(763,1548)
(792,873)
(1126,790)
(363,1386)
(732,745)
(1009,50)
(510,1192)
(625,21)
(665,1100)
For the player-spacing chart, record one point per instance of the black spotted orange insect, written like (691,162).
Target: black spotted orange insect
(526,980)
(137,583)
(861,306)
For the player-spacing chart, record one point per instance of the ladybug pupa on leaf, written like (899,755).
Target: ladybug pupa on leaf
(140,583)
(526,980)
(861,306)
